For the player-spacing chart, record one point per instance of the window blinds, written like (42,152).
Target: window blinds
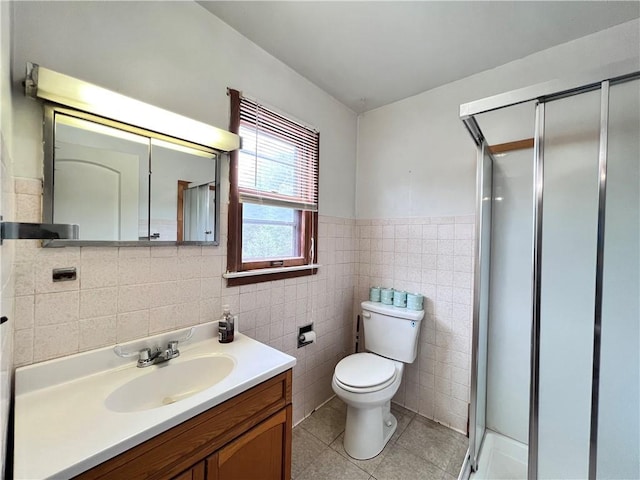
(278,162)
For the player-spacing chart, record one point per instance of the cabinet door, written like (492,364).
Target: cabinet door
(263,452)
(194,473)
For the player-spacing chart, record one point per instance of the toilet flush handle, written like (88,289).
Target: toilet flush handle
(366,314)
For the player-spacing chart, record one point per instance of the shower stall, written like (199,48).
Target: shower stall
(555,374)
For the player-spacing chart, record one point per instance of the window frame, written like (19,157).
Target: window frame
(307,221)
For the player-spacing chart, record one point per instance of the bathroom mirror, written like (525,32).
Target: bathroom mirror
(124,185)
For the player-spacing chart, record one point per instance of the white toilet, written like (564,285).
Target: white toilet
(366,382)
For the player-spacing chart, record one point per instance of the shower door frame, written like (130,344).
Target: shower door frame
(542,93)
(480,308)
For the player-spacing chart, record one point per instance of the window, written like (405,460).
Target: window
(273,200)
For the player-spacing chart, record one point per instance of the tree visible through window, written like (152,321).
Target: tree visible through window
(269,232)
(274,190)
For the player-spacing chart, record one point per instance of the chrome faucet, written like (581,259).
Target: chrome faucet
(147,357)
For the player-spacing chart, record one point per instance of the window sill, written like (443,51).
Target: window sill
(269,274)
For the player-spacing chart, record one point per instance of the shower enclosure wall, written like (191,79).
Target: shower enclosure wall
(555,387)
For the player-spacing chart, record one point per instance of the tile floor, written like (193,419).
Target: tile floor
(419,449)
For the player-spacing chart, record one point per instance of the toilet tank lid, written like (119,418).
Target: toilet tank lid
(390,310)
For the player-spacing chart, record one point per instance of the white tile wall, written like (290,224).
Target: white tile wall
(127,293)
(7,289)
(433,256)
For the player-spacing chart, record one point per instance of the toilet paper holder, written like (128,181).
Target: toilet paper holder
(303,335)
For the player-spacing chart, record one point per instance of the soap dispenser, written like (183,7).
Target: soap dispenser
(226,326)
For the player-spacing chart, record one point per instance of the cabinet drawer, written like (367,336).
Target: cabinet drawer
(174,451)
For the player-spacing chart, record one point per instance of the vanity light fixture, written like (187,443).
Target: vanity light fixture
(72,92)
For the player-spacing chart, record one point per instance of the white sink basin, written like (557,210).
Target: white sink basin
(75,412)
(170,382)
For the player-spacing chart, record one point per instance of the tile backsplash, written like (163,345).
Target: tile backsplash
(432,256)
(130,292)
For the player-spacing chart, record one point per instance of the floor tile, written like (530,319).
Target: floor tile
(325,423)
(367,465)
(330,465)
(305,449)
(338,404)
(403,422)
(401,464)
(429,440)
(419,449)
(459,454)
(395,408)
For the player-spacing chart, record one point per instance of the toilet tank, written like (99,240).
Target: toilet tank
(392,332)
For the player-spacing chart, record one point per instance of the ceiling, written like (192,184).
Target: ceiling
(370,53)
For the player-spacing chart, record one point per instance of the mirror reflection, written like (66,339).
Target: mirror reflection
(124,186)
(101,180)
(183,188)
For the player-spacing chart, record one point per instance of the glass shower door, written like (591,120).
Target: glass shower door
(568,275)
(481,301)
(618,448)
(589,424)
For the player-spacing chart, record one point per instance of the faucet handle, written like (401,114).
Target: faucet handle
(173,346)
(144,358)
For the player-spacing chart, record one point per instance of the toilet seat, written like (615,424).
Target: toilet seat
(365,372)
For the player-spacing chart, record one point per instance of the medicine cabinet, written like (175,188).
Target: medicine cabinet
(126,172)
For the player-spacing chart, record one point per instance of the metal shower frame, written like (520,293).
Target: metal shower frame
(542,93)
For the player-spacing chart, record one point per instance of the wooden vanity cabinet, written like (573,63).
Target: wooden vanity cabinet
(197,472)
(246,437)
(256,454)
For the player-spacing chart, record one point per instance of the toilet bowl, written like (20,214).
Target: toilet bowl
(367,394)
(367,382)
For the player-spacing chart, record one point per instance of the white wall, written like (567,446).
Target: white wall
(415,158)
(7,249)
(177,56)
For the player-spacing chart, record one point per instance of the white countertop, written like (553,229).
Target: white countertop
(63,426)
